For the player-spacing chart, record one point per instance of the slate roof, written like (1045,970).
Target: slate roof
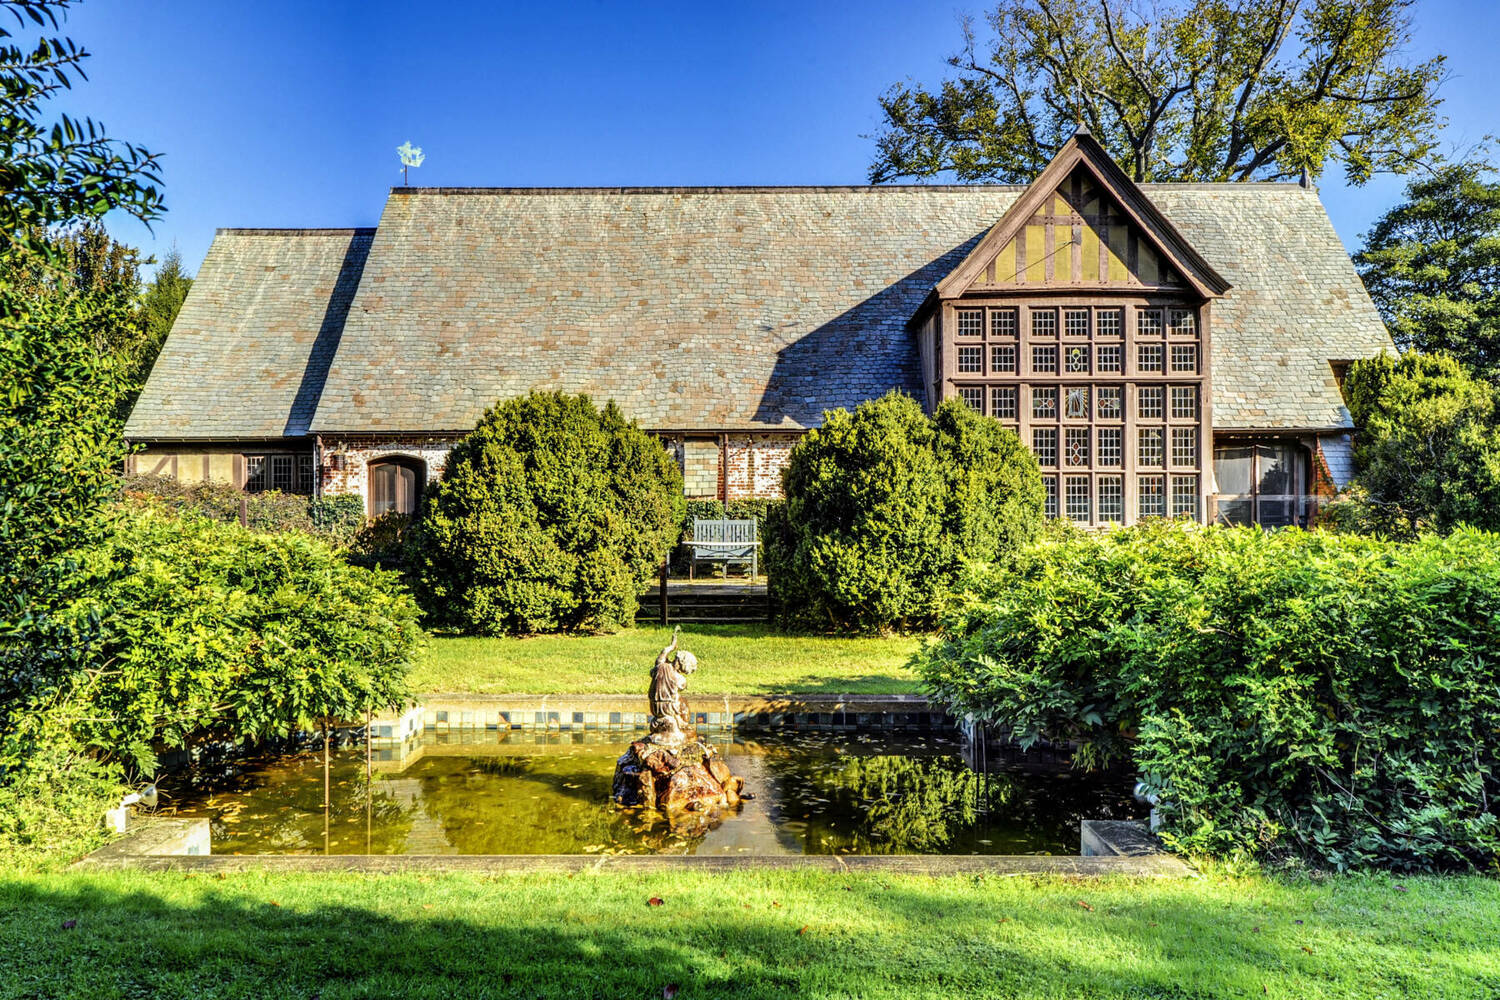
(697,308)
(248,353)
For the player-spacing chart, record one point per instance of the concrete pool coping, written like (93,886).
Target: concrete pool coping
(1118,848)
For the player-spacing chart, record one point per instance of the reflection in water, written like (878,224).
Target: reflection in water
(509,793)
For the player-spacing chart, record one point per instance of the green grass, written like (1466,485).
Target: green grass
(732,659)
(743,935)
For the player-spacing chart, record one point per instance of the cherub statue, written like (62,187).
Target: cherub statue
(669,715)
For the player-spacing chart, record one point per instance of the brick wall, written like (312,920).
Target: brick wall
(357,453)
(755,462)
(700,467)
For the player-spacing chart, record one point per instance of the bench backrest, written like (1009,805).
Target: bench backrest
(730,539)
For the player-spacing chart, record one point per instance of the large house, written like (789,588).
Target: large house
(1165,349)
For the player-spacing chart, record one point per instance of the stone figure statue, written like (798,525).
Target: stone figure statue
(670,718)
(672,770)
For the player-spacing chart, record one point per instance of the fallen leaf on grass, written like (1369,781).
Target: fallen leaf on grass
(1085,906)
(803,930)
(668,991)
(1307,949)
(274,903)
(426,906)
(1400,888)
(69,924)
(654,901)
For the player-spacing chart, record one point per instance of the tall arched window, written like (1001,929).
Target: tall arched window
(395,485)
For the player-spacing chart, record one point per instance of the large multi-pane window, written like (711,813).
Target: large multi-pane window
(1088,388)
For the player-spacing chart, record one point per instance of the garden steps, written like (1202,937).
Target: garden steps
(719,602)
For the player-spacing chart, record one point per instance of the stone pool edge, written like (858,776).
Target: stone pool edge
(1116,851)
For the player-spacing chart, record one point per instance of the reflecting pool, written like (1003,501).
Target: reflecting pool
(538,793)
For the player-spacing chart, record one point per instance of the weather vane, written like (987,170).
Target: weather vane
(411,156)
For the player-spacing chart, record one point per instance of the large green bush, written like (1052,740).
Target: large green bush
(885,505)
(552,515)
(210,630)
(1329,697)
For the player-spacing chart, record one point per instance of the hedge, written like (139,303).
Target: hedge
(337,519)
(1287,695)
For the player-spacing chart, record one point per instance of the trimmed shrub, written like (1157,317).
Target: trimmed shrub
(884,506)
(210,630)
(1325,697)
(551,516)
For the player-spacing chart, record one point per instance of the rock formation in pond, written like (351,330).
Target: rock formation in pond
(672,770)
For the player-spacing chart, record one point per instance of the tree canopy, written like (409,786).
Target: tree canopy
(1432,265)
(1206,90)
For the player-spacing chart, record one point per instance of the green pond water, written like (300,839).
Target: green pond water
(531,793)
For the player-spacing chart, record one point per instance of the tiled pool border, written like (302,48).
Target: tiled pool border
(624,713)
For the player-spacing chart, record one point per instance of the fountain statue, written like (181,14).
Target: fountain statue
(671,769)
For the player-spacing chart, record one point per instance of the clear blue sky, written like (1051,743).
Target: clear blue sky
(288,112)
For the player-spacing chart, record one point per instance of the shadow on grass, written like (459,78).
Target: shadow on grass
(293,936)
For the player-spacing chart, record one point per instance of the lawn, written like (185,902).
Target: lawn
(743,935)
(732,659)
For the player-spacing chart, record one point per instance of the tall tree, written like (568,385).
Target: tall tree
(1432,265)
(1205,90)
(159,307)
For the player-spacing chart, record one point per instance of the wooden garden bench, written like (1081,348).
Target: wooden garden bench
(722,540)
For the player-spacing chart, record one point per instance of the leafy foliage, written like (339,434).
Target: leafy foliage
(337,519)
(159,306)
(1432,266)
(1323,696)
(551,516)
(883,506)
(70,169)
(210,630)
(1427,444)
(1203,90)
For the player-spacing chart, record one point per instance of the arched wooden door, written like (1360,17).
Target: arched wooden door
(395,485)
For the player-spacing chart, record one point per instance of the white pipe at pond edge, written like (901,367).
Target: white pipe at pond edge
(114,819)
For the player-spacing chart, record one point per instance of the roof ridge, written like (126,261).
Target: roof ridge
(716,189)
(294,231)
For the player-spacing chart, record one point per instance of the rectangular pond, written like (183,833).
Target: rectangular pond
(549,793)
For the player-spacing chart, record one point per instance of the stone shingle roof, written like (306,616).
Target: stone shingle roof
(249,350)
(702,308)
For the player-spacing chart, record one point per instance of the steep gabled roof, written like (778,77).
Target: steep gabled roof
(249,350)
(696,308)
(1082,153)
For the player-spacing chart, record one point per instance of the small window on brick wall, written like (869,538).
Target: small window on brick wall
(1149,357)
(1110,358)
(1111,499)
(1076,322)
(1044,446)
(1044,360)
(1003,323)
(974,397)
(1151,493)
(971,322)
(971,359)
(1049,505)
(1002,359)
(1109,322)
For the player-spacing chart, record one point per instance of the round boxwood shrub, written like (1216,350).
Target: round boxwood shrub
(885,505)
(551,516)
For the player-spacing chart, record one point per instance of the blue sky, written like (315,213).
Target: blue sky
(280,113)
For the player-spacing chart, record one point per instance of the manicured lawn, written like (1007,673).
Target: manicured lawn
(732,659)
(745,935)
